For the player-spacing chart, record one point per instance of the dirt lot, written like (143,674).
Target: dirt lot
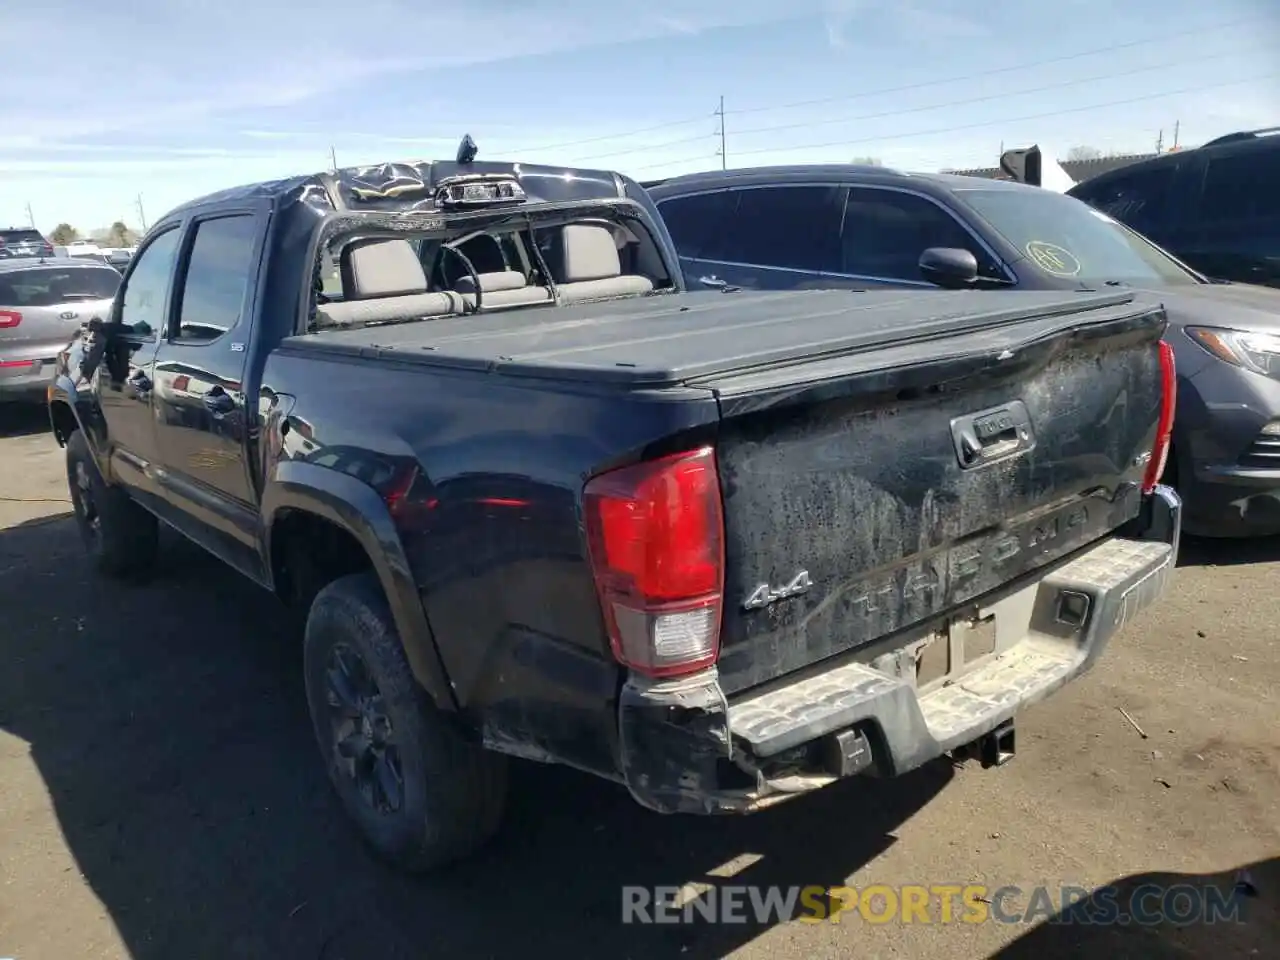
(160,795)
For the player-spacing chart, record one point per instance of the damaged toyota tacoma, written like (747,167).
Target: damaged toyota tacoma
(534,499)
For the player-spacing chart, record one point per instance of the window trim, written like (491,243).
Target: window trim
(191,233)
(123,290)
(995,257)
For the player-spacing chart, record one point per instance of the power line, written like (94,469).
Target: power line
(612,136)
(1057,85)
(647,147)
(807,124)
(999,70)
(1031,116)
(883,90)
(970,126)
(669,163)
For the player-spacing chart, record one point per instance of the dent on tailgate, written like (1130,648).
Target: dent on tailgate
(853,517)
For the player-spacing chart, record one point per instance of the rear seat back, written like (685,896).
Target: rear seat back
(384,280)
(585,264)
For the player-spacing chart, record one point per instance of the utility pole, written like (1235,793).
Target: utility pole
(31,217)
(334,158)
(142,214)
(1176,125)
(724,156)
(1160,141)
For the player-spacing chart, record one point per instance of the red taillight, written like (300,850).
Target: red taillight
(655,532)
(10,318)
(1164,429)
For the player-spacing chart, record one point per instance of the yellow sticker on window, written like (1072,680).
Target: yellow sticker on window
(1053,259)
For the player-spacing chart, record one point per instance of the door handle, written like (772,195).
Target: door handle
(713,281)
(219,401)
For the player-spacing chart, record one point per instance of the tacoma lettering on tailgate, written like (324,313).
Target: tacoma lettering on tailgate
(926,585)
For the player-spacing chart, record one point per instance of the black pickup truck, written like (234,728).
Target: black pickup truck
(535,499)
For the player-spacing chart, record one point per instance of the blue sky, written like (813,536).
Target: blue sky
(181,97)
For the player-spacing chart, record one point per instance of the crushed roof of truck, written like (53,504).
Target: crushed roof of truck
(411,186)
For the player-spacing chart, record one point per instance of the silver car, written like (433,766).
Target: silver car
(43,302)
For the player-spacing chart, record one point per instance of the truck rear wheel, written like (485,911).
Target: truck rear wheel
(419,792)
(121,537)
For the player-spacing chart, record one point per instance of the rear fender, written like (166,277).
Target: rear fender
(356,508)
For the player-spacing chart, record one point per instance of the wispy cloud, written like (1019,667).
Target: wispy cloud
(919,20)
(837,15)
(182,62)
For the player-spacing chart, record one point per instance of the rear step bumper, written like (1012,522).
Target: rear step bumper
(686,749)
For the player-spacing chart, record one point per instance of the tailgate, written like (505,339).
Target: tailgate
(868,494)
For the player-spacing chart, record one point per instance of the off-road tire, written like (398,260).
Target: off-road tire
(120,536)
(453,790)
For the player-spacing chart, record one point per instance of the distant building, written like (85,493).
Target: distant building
(1077,170)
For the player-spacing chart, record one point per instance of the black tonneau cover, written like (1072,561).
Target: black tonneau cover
(668,339)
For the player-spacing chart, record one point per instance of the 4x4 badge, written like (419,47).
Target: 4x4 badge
(763,595)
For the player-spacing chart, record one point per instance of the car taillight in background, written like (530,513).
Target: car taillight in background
(655,533)
(9,318)
(1164,429)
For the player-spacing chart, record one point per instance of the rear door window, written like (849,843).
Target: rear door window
(694,220)
(1241,186)
(50,286)
(796,228)
(217,279)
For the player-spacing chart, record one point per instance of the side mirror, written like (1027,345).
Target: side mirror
(949,267)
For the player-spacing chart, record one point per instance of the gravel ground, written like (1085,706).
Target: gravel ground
(160,795)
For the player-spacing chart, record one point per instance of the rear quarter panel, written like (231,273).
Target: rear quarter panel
(492,528)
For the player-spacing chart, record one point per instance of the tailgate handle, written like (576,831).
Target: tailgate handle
(992,434)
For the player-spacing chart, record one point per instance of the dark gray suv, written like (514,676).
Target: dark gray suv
(860,227)
(1217,207)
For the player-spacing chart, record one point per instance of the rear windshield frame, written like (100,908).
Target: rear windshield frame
(340,227)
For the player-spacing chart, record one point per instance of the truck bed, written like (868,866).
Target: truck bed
(885,459)
(664,340)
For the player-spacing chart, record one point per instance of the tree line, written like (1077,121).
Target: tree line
(116,235)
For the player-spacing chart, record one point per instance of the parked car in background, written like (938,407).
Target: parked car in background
(23,242)
(119,257)
(869,227)
(1216,207)
(81,248)
(90,253)
(43,303)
